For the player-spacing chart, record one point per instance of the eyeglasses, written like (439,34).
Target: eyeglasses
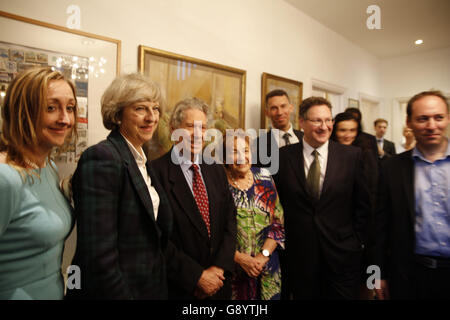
(318,122)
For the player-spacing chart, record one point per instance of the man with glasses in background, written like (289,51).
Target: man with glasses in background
(326,203)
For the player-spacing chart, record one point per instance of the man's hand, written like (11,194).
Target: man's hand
(383,292)
(210,282)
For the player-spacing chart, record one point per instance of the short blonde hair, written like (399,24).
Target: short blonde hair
(24,106)
(124,91)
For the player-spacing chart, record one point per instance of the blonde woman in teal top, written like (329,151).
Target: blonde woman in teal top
(39,113)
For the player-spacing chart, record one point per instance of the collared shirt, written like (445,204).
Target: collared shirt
(141,160)
(185,165)
(309,158)
(380,142)
(432,205)
(292,139)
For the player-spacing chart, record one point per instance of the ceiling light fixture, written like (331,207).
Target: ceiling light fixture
(419,42)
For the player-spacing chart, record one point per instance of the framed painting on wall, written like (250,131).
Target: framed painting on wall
(180,77)
(293,88)
(90,61)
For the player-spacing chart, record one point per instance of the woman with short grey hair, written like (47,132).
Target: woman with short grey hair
(123,216)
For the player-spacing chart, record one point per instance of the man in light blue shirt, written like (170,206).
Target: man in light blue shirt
(413,215)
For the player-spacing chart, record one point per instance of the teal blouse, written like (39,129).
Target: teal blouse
(35,219)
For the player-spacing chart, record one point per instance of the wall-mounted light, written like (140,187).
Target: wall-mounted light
(419,42)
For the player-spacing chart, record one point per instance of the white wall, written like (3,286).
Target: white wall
(255,35)
(402,77)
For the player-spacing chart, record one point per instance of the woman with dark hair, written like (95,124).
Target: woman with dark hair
(346,130)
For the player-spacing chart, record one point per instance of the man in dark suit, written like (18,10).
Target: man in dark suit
(204,212)
(386,148)
(278,109)
(412,218)
(325,201)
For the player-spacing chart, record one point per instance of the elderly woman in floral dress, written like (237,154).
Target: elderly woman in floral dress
(260,225)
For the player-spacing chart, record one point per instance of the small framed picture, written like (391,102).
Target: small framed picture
(17,55)
(30,56)
(353,103)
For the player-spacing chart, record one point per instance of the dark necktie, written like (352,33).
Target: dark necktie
(313,179)
(286,138)
(201,197)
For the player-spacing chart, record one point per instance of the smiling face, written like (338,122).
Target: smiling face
(279,111)
(194,121)
(242,160)
(346,131)
(139,122)
(317,125)
(380,129)
(58,117)
(429,120)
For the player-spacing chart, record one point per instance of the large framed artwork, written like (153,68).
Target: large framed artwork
(180,77)
(293,88)
(90,61)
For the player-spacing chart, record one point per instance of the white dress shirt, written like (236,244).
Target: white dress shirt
(141,160)
(279,138)
(309,158)
(185,165)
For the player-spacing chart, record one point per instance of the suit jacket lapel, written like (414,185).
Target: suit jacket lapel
(408,182)
(332,167)
(181,191)
(135,175)
(298,164)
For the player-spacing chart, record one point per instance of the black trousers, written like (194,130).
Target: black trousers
(323,283)
(431,283)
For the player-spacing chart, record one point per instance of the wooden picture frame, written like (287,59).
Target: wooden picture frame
(293,88)
(180,77)
(34,42)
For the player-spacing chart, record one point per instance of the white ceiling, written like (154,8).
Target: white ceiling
(402,22)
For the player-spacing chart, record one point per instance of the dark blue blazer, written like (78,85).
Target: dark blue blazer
(120,246)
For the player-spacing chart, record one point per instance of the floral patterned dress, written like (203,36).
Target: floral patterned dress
(259,216)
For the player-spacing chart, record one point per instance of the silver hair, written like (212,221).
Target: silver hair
(178,114)
(124,91)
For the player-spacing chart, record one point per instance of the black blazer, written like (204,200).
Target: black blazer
(388,148)
(269,139)
(119,244)
(333,227)
(195,251)
(368,141)
(395,220)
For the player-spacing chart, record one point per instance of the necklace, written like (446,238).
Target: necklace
(247,185)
